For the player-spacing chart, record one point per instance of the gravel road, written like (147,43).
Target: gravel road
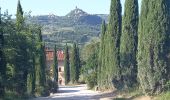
(78,92)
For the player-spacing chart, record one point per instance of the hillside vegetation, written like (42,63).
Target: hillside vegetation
(77,26)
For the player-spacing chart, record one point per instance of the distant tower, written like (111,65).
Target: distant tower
(76,7)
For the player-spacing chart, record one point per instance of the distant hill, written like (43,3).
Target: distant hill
(76,26)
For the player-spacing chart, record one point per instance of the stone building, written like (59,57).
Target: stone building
(49,62)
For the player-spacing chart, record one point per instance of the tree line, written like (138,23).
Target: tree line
(23,70)
(72,64)
(134,49)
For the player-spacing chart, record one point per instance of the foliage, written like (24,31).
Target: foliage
(74,27)
(40,77)
(111,68)
(153,46)
(66,65)
(75,64)
(2,61)
(89,70)
(128,46)
(91,80)
(101,66)
(25,72)
(55,72)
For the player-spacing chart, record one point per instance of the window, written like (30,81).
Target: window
(59,69)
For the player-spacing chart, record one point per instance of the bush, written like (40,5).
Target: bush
(11,95)
(91,80)
(41,91)
(52,87)
(82,79)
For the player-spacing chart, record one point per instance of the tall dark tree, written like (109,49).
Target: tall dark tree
(2,61)
(19,17)
(42,59)
(66,65)
(113,45)
(40,66)
(154,45)
(31,71)
(101,66)
(78,62)
(74,74)
(21,48)
(128,47)
(55,70)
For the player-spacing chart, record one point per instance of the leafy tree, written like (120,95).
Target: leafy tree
(25,72)
(66,65)
(153,45)
(128,47)
(91,66)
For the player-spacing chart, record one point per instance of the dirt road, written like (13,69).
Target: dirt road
(79,92)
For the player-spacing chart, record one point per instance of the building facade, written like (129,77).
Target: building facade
(60,59)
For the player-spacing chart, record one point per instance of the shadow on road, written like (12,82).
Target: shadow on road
(67,91)
(77,93)
(71,86)
(84,97)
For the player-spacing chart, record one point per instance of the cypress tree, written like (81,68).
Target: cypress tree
(78,63)
(40,67)
(128,47)
(66,65)
(19,17)
(153,45)
(2,61)
(21,47)
(31,72)
(38,75)
(42,59)
(113,44)
(74,67)
(101,66)
(31,78)
(55,70)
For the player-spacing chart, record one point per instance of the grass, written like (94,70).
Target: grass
(13,96)
(129,94)
(132,94)
(163,96)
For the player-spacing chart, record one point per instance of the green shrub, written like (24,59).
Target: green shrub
(52,86)
(11,95)
(41,91)
(91,80)
(82,79)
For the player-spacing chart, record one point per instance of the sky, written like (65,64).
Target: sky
(58,7)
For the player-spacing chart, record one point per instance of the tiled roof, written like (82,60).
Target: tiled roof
(50,55)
